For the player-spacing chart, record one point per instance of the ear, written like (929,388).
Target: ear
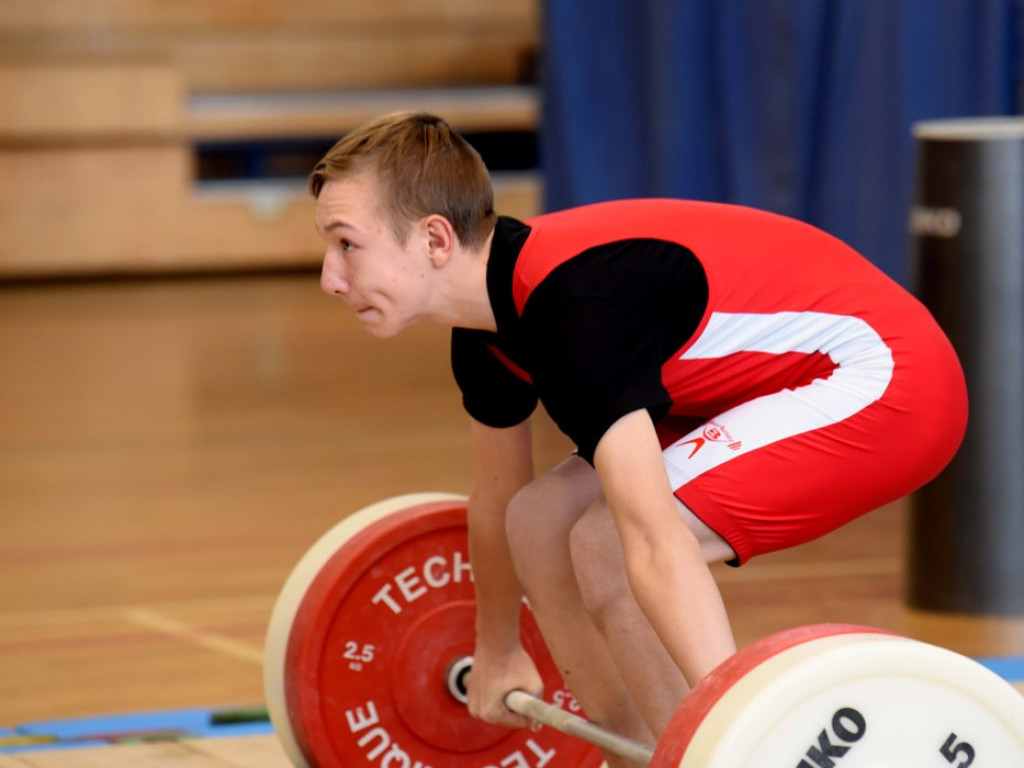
(441,239)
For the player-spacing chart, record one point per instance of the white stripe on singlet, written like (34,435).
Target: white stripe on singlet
(864,366)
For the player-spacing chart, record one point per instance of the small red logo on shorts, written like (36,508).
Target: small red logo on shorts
(713,432)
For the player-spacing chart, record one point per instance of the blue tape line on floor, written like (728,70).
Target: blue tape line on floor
(134,728)
(1011,669)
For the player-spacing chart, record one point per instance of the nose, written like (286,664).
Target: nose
(332,281)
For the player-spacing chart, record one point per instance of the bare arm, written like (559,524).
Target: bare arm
(503,465)
(667,573)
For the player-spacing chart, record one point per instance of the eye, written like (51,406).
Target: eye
(346,245)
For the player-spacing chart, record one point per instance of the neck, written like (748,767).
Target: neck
(467,303)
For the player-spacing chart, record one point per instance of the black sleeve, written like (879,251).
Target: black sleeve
(602,325)
(587,387)
(491,393)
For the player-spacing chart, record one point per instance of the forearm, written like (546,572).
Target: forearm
(678,595)
(498,594)
(503,465)
(665,567)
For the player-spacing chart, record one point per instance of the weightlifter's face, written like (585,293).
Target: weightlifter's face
(381,279)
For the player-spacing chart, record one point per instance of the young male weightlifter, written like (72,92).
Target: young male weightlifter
(736,383)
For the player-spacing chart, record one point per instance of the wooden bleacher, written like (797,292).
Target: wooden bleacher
(103,104)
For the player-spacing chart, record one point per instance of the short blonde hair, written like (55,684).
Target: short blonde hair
(423,167)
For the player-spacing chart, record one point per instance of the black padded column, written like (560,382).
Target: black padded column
(966,538)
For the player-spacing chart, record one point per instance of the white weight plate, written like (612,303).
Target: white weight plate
(294,590)
(863,701)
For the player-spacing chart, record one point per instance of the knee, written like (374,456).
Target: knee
(533,528)
(521,518)
(597,562)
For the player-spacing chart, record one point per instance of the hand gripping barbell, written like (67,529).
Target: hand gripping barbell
(540,711)
(374,627)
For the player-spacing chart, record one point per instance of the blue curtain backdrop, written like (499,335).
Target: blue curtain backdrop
(802,107)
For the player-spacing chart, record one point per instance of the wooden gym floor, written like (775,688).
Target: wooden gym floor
(168,450)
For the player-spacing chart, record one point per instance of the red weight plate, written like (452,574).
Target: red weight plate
(292,593)
(370,644)
(702,699)
(419,677)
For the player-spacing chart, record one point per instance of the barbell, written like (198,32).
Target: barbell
(372,635)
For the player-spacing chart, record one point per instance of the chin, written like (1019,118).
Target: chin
(380,332)
(383,330)
(381,326)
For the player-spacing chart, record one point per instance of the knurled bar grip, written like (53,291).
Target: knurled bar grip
(540,711)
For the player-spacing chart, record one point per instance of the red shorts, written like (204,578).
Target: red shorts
(785,466)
